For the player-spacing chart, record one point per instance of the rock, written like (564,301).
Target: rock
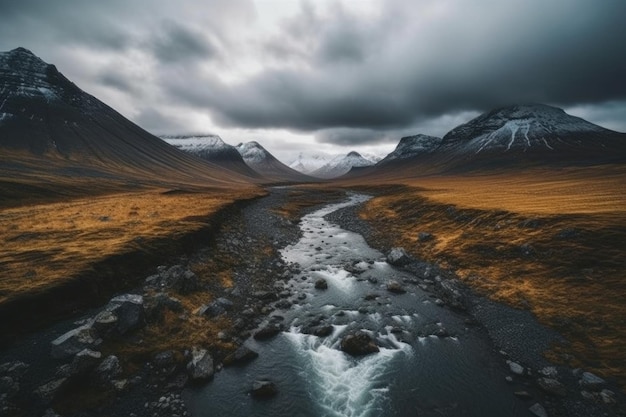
(398,257)
(268,331)
(120,384)
(9,387)
(177,278)
(424,236)
(84,362)
(15,369)
(549,372)
(240,356)
(200,368)
(283,304)
(105,323)
(50,413)
(591,381)
(538,410)
(156,305)
(370,297)
(48,392)
(524,395)
(324,330)
(358,344)
(515,367)
(164,359)
(265,295)
(263,389)
(395,287)
(108,370)
(129,311)
(72,342)
(321,284)
(213,309)
(552,386)
(608,396)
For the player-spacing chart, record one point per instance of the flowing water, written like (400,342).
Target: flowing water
(414,374)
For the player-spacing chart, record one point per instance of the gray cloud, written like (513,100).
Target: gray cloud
(177,43)
(345,77)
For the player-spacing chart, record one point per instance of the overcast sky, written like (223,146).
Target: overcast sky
(331,75)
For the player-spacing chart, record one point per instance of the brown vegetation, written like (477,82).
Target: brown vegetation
(550,241)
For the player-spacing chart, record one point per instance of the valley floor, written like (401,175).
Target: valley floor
(490,249)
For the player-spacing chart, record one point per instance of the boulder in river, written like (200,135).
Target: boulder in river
(395,287)
(268,331)
(242,355)
(398,257)
(591,381)
(358,344)
(263,389)
(552,386)
(200,367)
(321,284)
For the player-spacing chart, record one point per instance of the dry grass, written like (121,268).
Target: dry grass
(46,244)
(552,242)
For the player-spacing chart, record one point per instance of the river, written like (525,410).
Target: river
(416,373)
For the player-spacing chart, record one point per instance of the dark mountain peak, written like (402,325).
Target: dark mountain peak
(21,50)
(354,154)
(522,127)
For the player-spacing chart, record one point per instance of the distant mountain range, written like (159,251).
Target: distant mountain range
(51,130)
(263,162)
(341,165)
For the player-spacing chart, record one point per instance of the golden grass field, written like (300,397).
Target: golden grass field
(46,244)
(552,241)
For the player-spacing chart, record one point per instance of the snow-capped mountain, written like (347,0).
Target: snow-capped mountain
(263,162)
(210,147)
(341,165)
(309,161)
(412,146)
(44,117)
(525,128)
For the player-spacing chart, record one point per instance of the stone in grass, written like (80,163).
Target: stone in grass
(424,236)
(108,370)
(263,389)
(129,311)
(398,257)
(358,344)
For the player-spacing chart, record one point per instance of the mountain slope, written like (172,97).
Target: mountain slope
(50,129)
(213,149)
(412,146)
(534,133)
(341,165)
(263,162)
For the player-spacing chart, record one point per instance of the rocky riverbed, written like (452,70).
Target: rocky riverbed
(79,367)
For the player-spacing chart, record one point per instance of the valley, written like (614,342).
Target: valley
(477,273)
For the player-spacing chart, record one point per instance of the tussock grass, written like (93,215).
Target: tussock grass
(47,244)
(550,242)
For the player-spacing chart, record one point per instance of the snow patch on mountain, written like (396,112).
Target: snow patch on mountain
(196,143)
(309,161)
(341,165)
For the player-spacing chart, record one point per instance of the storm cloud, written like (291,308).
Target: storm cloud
(344,73)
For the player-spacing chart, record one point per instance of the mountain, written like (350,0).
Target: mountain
(211,148)
(535,133)
(412,146)
(263,162)
(341,165)
(51,130)
(309,161)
